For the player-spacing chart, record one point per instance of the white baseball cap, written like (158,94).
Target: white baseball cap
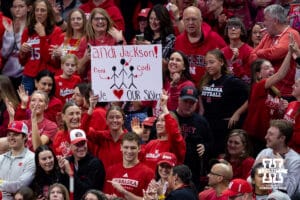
(77,135)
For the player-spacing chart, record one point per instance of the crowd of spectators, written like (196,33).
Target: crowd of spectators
(226,125)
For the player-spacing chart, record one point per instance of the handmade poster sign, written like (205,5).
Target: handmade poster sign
(127,73)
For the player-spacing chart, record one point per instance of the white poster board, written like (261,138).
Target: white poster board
(127,72)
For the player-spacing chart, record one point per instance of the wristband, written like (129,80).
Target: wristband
(161,197)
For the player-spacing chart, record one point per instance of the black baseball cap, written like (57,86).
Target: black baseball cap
(189,92)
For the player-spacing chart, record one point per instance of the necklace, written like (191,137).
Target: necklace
(68,47)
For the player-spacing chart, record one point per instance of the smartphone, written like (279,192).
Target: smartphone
(139,37)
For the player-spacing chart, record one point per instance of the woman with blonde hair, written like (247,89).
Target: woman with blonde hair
(237,153)
(76,29)
(100,31)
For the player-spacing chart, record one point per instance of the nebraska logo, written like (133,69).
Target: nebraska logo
(273,171)
(127,182)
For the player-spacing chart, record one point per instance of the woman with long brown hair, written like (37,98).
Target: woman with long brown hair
(100,31)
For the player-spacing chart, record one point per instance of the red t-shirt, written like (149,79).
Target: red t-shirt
(106,40)
(257,121)
(210,194)
(70,45)
(46,127)
(242,170)
(65,87)
(175,144)
(292,114)
(133,179)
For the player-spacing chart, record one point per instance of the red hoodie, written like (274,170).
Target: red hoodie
(40,58)
(110,7)
(196,51)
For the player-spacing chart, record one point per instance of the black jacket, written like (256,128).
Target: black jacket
(89,175)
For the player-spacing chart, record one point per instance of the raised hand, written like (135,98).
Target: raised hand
(10,109)
(163,102)
(24,97)
(116,34)
(136,126)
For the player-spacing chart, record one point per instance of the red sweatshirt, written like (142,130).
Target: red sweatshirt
(293,115)
(110,7)
(274,49)
(241,65)
(39,58)
(65,87)
(109,151)
(196,51)
(175,144)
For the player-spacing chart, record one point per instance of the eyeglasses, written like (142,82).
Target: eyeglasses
(99,19)
(234,26)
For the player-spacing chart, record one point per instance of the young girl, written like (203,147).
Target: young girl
(222,96)
(265,96)
(66,82)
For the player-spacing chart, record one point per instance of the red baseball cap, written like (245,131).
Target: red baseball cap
(144,12)
(167,157)
(238,186)
(77,135)
(149,121)
(18,127)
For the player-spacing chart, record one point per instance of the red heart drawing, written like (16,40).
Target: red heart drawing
(118,93)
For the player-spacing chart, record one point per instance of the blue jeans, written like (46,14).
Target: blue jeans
(28,83)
